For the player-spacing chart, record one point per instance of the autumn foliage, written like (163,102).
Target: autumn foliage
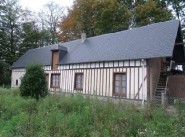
(96,17)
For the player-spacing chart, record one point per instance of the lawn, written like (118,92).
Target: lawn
(78,116)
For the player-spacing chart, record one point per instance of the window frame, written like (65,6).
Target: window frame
(81,82)
(51,81)
(114,85)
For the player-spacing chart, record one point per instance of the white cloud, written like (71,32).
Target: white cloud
(36,5)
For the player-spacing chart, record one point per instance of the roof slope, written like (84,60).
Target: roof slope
(155,40)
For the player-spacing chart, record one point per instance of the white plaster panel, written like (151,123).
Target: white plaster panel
(126,63)
(110,64)
(106,64)
(138,63)
(132,63)
(120,63)
(116,64)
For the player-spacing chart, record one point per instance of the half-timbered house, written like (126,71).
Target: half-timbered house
(132,64)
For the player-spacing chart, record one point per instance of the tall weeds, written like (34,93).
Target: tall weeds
(78,116)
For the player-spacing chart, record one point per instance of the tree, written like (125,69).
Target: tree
(112,17)
(34,83)
(2,38)
(178,7)
(10,28)
(10,13)
(69,28)
(49,17)
(5,73)
(151,11)
(94,17)
(19,32)
(30,36)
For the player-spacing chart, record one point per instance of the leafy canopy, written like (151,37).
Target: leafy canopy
(151,12)
(94,17)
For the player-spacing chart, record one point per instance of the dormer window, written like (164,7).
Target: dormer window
(55,58)
(58,52)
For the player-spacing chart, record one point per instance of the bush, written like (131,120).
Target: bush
(34,83)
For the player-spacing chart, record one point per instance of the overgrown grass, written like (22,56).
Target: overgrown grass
(7,86)
(76,116)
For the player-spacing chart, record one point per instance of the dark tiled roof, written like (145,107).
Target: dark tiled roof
(156,40)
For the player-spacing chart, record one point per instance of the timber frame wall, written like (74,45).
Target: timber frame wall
(97,78)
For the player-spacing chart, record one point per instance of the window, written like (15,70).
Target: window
(78,81)
(119,84)
(55,80)
(16,82)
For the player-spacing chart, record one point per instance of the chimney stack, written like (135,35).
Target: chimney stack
(83,37)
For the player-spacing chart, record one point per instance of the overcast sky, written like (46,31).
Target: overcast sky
(36,5)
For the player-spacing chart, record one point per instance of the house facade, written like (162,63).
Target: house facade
(128,64)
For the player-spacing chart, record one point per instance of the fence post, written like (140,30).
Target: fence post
(163,100)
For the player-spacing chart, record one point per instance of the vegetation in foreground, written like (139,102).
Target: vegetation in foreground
(77,116)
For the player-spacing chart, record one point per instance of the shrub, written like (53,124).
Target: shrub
(34,83)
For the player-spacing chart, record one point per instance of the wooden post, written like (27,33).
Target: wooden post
(163,100)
